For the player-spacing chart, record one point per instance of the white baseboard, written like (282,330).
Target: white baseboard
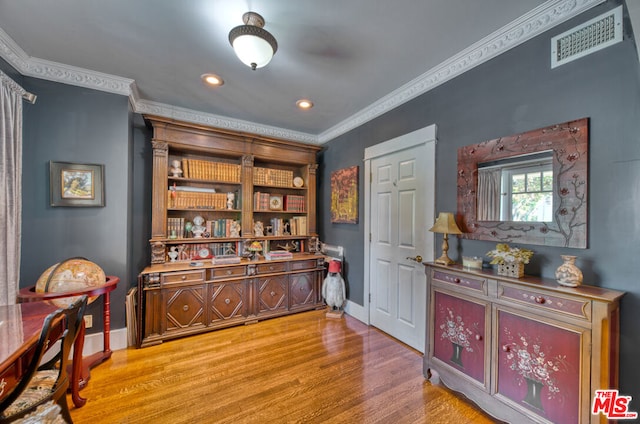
(94,342)
(357,311)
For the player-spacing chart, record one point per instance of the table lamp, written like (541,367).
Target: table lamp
(445,224)
(254,248)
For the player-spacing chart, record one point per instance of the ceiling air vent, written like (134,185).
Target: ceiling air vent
(591,36)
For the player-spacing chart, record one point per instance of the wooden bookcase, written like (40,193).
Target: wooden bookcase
(273,187)
(523,349)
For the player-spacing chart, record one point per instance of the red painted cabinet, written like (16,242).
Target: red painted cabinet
(524,350)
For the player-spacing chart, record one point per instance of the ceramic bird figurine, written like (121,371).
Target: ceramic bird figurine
(333,289)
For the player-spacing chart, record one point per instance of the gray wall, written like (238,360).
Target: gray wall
(513,93)
(74,124)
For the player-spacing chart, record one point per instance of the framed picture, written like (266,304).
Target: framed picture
(76,184)
(344,196)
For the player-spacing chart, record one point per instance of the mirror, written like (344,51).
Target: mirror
(527,188)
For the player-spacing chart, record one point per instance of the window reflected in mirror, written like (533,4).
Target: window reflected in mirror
(517,189)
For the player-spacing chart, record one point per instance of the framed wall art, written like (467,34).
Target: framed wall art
(76,184)
(344,196)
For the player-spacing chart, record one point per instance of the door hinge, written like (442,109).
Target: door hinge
(369,297)
(370,177)
(369,237)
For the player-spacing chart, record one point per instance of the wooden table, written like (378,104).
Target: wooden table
(80,373)
(20,327)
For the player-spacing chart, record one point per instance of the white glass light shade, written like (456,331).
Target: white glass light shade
(253,51)
(253,45)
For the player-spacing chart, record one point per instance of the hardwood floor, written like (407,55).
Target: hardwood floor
(302,368)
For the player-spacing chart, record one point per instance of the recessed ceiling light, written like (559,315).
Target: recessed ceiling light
(304,104)
(212,79)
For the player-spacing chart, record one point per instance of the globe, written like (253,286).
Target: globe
(71,275)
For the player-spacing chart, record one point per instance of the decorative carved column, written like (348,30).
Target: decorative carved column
(159,187)
(312,170)
(247,195)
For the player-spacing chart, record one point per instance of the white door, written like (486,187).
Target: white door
(401,211)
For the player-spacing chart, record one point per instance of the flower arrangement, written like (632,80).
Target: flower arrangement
(530,361)
(454,330)
(503,253)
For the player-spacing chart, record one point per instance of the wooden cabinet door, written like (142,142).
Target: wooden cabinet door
(302,289)
(227,301)
(539,366)
(272,294)
(459,328)
(183,308)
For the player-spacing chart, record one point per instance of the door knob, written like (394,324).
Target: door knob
(418,258)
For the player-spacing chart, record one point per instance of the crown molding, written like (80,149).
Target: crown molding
(188,115)
(537,21)
(540,19)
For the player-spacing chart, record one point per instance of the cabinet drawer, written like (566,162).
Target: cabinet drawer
(228,272)
(270,268)
(573,307)
(195,276)
(311,264)
(473,283)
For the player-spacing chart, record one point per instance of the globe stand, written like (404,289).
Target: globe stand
(80,367)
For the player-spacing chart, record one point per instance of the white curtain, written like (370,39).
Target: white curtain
(489,194)
(10,186)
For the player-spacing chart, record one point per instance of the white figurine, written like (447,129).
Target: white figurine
(333,289)
(176,170)
(258,229)
(234,231)
(231,197)
(198,229)
(173,253)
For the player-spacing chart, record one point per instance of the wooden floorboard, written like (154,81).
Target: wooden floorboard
(302,368)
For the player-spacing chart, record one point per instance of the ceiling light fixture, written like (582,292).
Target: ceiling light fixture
(253,45)
(212,79)
(304,104)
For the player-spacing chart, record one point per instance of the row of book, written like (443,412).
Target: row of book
(213,171)
(290,202)
(294,203)
(274,177)
(196,200)
(223,227)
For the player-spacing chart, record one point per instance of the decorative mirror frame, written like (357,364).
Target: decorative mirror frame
(570,144)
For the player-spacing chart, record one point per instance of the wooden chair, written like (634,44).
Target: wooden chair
(43,382)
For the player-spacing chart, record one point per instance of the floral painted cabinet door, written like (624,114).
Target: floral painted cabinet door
(459,334)
(539,366)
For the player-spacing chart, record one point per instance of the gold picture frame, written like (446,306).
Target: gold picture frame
(76,184)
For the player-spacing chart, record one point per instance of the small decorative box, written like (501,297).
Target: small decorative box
(472,262)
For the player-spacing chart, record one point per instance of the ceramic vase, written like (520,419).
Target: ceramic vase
(568,274)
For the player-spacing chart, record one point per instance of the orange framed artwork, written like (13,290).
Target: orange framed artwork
(344,196)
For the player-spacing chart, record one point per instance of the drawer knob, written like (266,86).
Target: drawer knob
(506,348)
(184,277)
(273,293)
(229,272)
(478,337)
(456,280)
(540,300)
(227,301)
(185,308)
